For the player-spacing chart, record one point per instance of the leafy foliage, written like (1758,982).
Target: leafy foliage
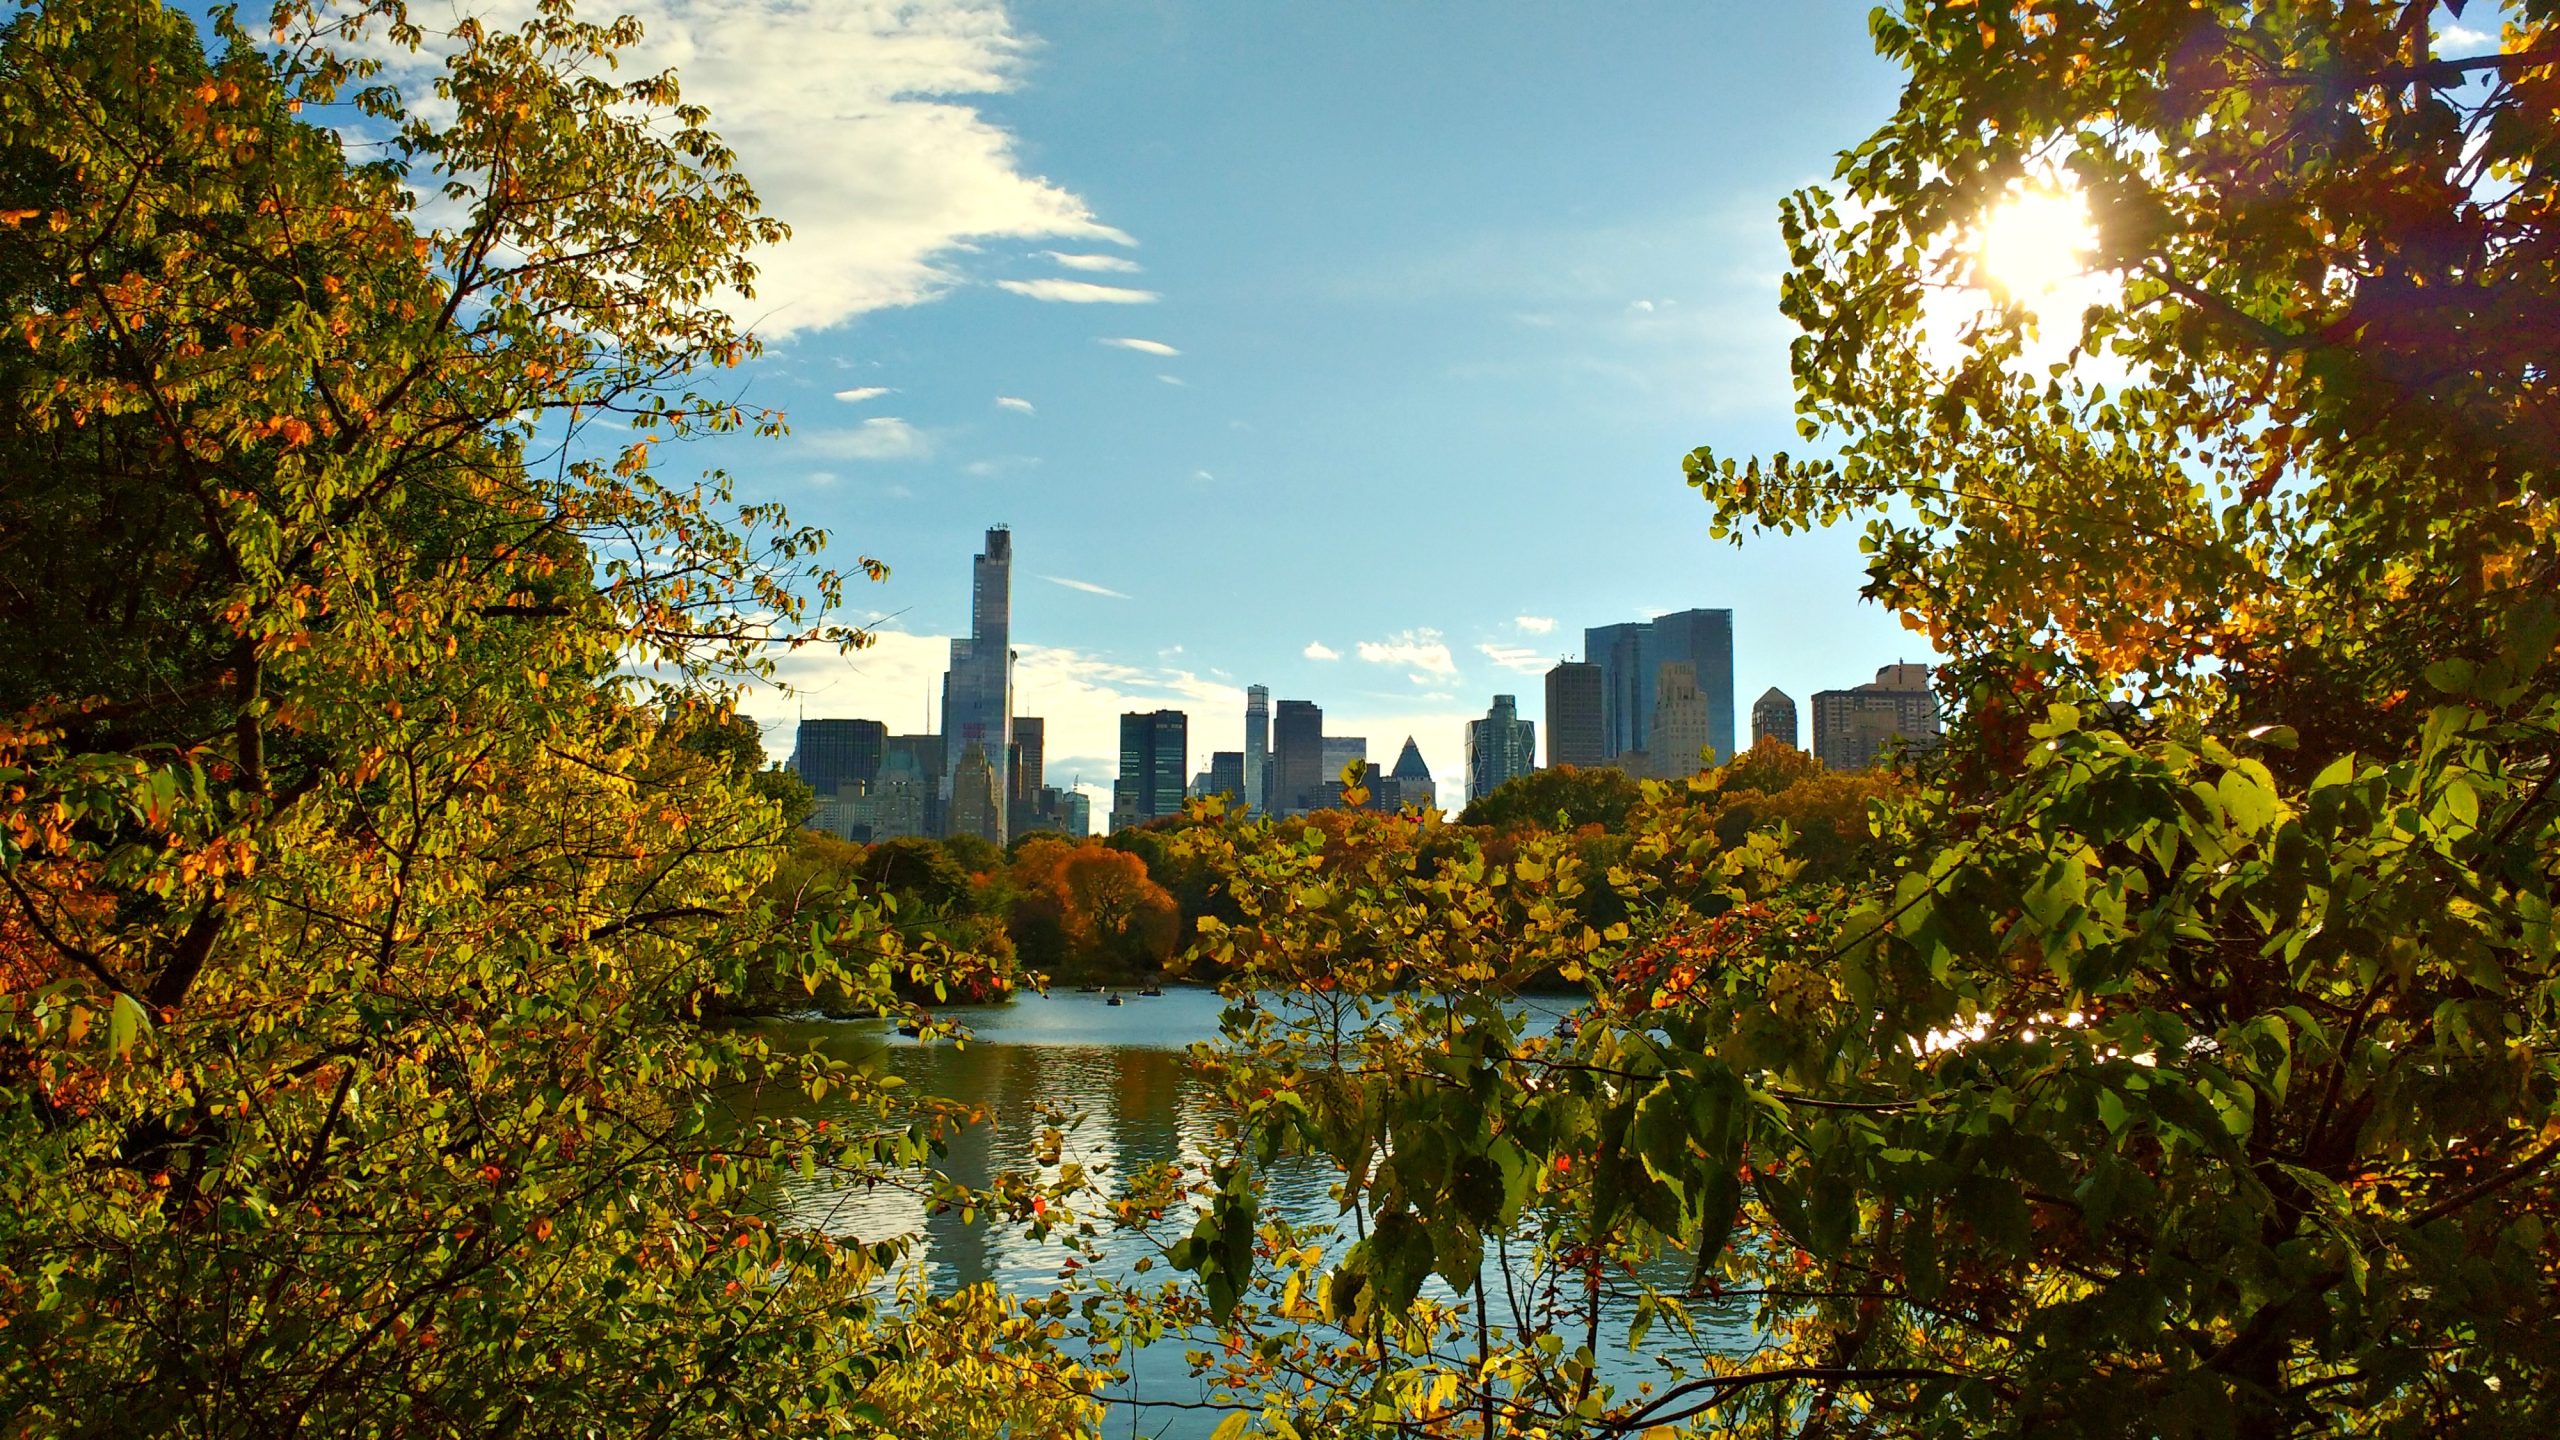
(2183,1056)
(361,907)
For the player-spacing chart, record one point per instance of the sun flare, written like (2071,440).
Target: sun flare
(2034,242)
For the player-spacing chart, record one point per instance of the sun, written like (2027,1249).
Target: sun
(2033,243)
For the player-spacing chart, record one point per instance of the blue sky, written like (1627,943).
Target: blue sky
(1432,300)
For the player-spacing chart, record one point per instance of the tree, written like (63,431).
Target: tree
(1562,796)
(369,848)
(2187,1064)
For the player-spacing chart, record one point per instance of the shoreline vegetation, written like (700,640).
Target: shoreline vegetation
(1125,910)
(2173,1051)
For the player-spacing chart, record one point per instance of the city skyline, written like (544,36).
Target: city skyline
(1694,645)
(1372,386)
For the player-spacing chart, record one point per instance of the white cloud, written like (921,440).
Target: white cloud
(1202,475)
(857,125)
(1143,347)
(2463,37)
(1422,649)
(1318,650)
(1014,402)
(861,393)
(1113,263)
(1535,624)
(1515,657)
(822,477)
(1086,586)
(885,438)
(1174,380)
(1079,292)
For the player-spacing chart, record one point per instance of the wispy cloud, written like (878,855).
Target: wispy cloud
(1000,465)
(1421,649)
(1174,380)
(1202,475)
(1014,402)
(1143,347)
(1086,586)
(862,124)
(861,393)
(1079,292)
(822,477)
(1113,263)
(1318,650)
(1535,624)
(2463,37)
(1515,657)
(884,438)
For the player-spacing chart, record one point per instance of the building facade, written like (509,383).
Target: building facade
(1225,776)
(1624,654)
(1680,740)
(977,692)
(977,798)
(1853,728)
(1500,747)
(1773,717)
(1631,657)
(1703,640)
(1575,735)
(830,755)
(1341,750)
(1297,757)
(1412,779)
(1257,743)
(1154,754)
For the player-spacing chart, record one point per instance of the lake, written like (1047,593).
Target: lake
(1125,1072)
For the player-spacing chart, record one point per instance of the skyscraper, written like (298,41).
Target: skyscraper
(1297,757)
(1154,751)
(1631,657)
(1703,639)
(1852,727)
(1624,654)
(1574,733)
(1257,741)
(831,754)
(1025,777)
(1773,717)
(1412,778)
(977,693)
(977,799)
(1225,776)
(918,758)
(1677,741)
(1500,747)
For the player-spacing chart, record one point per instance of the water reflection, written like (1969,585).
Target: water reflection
(1118,1075)
(1132,1098)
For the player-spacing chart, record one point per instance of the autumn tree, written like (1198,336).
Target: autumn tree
(362,899)
(2188,1062)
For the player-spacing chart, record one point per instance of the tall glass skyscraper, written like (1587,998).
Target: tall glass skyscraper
(1257,742)
(1154,759)
(1500,747)
(1631,657)
(977,692)
(1297,757)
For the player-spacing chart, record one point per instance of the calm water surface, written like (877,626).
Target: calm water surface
(1124,1075)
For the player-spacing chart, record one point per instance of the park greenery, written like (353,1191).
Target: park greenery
(2172,1051)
